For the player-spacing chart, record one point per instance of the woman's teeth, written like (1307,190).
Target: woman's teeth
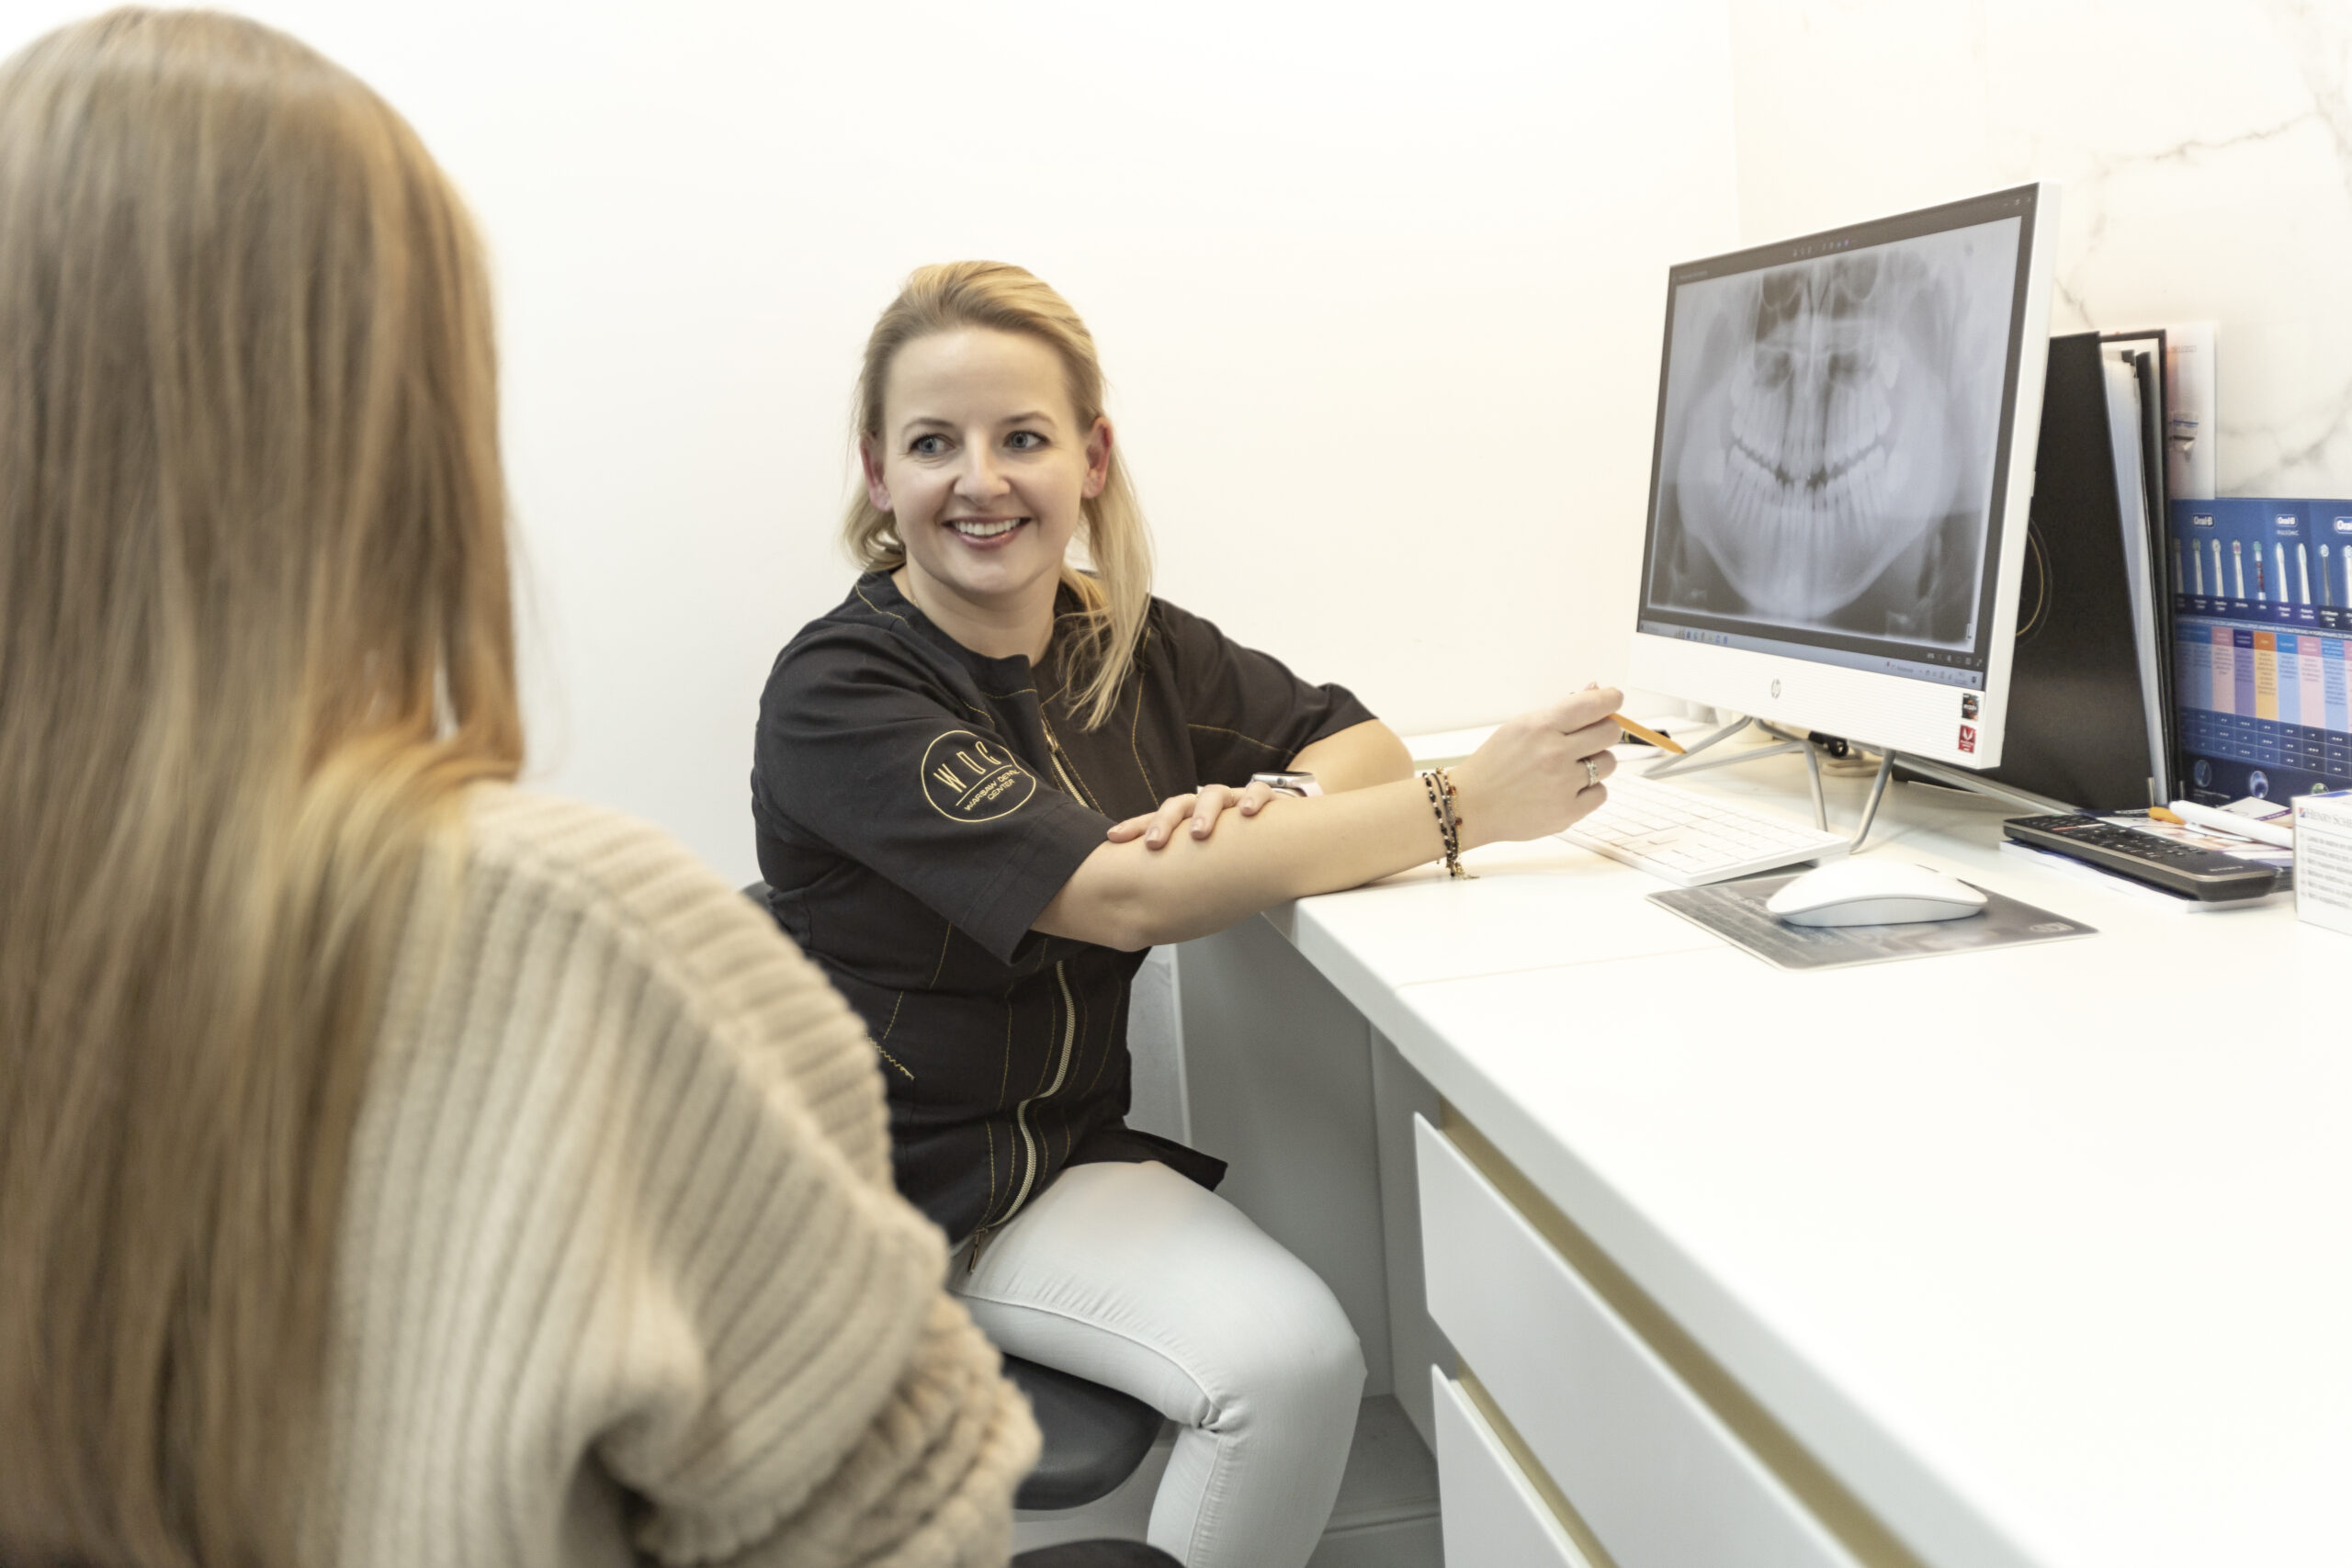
(986,530)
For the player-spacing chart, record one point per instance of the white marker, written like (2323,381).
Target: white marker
(2237,563)
(2230,822)
(2303,571)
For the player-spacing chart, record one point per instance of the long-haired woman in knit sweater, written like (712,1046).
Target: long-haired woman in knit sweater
(396,1168)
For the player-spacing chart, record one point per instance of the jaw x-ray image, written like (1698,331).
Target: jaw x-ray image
(1826,458)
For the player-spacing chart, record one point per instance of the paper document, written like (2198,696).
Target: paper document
(2124,423)
(2189,411)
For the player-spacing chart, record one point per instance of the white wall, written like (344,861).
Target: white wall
(2205,147)
(1378,288)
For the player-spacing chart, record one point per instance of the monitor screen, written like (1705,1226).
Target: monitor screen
(1831,443)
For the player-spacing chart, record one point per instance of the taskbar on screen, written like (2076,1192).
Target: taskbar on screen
(1955,670)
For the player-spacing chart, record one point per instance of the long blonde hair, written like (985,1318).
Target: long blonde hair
(1115,597)
(254,640)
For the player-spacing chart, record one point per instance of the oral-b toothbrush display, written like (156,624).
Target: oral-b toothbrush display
(2262,663)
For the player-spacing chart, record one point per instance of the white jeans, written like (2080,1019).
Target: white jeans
(1133,1277)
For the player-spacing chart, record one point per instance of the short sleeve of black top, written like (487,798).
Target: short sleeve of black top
(917,806)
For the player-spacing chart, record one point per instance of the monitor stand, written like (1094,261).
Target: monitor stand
(1784,742)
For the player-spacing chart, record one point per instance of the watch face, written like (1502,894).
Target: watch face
(1300,785)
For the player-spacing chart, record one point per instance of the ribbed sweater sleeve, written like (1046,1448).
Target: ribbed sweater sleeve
(622,1263)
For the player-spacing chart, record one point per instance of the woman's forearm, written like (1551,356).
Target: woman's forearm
(1126,895)
(1357,757)
(1534,775)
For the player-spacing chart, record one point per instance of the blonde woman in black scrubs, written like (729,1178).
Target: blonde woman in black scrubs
(985,784)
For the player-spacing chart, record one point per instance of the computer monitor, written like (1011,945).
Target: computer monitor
(1841,473)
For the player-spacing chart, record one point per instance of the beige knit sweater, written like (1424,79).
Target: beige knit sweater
(622,1270)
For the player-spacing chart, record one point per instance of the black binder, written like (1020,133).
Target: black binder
(2077,728)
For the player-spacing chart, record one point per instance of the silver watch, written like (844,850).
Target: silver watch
(1300,785)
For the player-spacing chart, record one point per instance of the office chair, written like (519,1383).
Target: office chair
(1095,1438)
(1097,1554)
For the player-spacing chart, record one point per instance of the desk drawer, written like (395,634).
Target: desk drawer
(1492,1515)
(1658,1477)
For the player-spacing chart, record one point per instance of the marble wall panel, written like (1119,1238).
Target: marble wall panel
(2205,149)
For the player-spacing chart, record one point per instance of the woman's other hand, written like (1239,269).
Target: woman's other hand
(1161,827)
(1530,779)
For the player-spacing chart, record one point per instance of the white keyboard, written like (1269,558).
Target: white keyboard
(1690,839)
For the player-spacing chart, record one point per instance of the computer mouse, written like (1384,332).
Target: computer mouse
(1864,891)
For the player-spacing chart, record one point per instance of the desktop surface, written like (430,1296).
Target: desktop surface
(2040,1250)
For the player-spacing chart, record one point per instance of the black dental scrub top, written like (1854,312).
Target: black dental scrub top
(917,806)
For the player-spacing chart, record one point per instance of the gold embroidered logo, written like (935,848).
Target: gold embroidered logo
(972,779)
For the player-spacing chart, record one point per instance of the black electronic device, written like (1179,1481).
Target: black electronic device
(2078,727)
(2207,874)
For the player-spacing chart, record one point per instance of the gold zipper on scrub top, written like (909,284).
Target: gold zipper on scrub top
(1068,772)
(1062,764)
(1021,1118)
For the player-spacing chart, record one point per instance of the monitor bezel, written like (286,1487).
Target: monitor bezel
(1924,717)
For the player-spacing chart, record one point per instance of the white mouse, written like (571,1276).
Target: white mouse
(1870,892)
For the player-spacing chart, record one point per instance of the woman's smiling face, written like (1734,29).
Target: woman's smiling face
(983,467)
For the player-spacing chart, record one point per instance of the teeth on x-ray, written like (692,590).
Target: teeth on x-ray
(1829,453)
(1828,434)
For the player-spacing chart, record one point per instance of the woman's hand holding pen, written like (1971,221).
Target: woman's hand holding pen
(1541,772)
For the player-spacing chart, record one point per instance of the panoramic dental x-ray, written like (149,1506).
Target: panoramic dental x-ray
(1828,439)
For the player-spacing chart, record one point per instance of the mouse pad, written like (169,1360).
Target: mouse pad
(1734,911)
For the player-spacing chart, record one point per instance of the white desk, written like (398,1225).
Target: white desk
(2044,1253)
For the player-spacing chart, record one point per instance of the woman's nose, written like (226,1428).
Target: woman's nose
(981,479)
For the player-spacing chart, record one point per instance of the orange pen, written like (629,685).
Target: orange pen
(1643,732)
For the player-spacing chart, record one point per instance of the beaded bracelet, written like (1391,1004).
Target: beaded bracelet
(1440,785)
(1429,782)
(1454,823)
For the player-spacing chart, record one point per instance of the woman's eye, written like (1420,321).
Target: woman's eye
(1024,440)
(927,445)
